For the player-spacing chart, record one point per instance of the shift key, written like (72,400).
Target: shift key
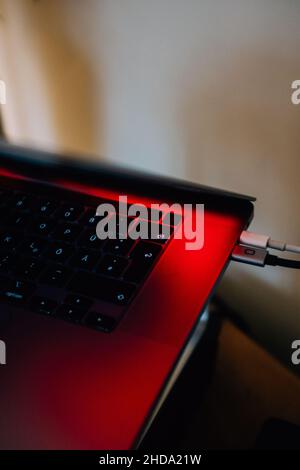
(17,291)
(101,288)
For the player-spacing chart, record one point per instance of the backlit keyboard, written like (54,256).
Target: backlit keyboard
(53,263)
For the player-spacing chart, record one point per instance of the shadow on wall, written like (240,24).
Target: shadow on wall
(69,80)
(242,132)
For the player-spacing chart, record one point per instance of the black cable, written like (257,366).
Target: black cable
(272,260)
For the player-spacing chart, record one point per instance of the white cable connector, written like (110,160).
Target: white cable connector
(264,241)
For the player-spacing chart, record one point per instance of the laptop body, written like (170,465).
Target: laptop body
(91,353)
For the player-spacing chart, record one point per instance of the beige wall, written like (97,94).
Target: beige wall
(197,89)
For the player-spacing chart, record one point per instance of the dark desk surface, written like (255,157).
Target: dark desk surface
(245,387)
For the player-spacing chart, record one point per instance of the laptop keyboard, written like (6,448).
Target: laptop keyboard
(53,263)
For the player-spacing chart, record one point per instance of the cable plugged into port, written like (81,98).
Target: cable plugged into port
(253,249)
(249,255)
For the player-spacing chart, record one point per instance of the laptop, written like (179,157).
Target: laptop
(96,330)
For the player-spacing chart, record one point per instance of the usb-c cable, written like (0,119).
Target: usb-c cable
(264,241)
(252,248)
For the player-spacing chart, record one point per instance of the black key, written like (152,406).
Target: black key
(145,251)
(17,220)
(28,268)
(43,305)
(144,256)
(154,232)
(46,207)
(100,322)
(56,276)
(22,202)
(172,219)
(90,219)
(59,252)
(119,247)
(112,265)
(137,272)
(17,291)
(90,240)
(9,239)
(7,261)
(84,259)
(33,246)
(78,301)
(42,226)
(101,288)
(70,313)
(69,213)
(66,232)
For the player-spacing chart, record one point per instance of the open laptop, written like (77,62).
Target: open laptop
(96,330)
